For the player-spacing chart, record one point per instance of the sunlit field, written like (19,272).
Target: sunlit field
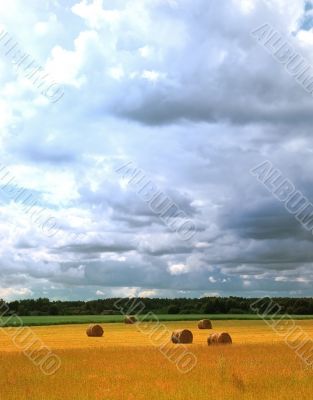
(123,364)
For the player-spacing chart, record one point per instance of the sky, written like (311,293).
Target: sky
(182,90)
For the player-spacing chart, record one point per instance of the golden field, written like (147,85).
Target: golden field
(124,365)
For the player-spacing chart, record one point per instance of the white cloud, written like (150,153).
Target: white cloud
(13,293)
(147,293)
(178,269)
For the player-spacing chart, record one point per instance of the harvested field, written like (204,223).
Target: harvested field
(125,365)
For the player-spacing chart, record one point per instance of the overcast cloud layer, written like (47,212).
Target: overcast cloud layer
(182,90)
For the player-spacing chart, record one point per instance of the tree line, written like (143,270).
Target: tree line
(205,305)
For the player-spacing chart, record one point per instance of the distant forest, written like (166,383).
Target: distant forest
(205,305)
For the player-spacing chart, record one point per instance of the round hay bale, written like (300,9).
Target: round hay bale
(182,336)
(94,331)
(205,324)
(219,338)
(213,339)
(130,319)
(225,338)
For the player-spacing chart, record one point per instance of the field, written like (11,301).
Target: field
(85,319)
(125,365)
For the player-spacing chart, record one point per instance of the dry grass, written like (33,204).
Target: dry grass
(256,367)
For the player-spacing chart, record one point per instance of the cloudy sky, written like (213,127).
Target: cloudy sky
(181,89)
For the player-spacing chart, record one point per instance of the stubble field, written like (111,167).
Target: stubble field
(125,365)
